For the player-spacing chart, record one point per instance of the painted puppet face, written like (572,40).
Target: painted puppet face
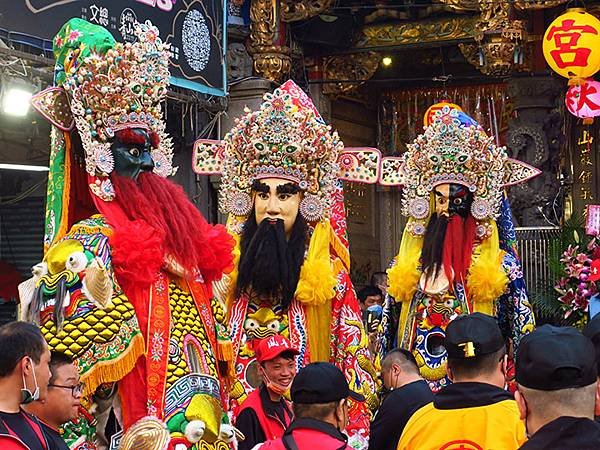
(132,156)
(451,199)
(275,199)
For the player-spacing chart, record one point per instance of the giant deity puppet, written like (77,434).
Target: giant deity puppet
(457,252)
(281,168)
(124,286)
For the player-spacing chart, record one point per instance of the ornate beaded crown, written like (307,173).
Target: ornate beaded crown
(119,88)
(454,150)
(285,139)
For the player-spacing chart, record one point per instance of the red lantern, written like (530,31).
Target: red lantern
(583,100)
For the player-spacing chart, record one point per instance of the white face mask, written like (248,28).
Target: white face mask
(26,395)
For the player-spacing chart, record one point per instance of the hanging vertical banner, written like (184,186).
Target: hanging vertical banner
(194,29)
(585,174)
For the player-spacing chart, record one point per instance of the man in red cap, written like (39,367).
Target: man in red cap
(265,414)
(321,397)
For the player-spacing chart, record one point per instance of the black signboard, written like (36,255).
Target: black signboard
(193,28)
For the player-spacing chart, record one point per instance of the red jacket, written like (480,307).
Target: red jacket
(11,443)
(271,425)
(310,434)
(9,439)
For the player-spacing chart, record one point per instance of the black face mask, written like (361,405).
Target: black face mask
(132,159)
(460,200)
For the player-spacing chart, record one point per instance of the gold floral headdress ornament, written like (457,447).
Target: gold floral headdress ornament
(453,149)
(107,86)
(283,139)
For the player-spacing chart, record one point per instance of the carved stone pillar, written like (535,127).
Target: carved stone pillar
(534,136)
(249,94)
(270,55)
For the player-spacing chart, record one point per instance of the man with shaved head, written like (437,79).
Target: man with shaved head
(406,390)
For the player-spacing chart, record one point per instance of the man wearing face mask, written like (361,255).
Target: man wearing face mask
(321,397)
(24,377)
(265,414)
(406,393)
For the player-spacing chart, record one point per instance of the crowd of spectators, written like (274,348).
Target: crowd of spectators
(556,403)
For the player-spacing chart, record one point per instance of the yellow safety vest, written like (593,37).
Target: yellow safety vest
(491,427)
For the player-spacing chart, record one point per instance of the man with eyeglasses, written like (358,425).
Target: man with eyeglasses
(62,402)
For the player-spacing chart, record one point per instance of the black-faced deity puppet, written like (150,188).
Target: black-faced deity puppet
(124,287)
(457,252)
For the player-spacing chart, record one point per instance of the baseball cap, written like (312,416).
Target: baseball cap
(321,382)
(552,358)
(271,347)
(473,335)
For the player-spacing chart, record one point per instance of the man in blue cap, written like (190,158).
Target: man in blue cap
(556,376)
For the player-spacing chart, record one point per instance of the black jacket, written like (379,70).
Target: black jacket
(566,433)
(55,441)
(397,407)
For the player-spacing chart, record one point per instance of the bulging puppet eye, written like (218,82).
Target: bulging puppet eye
(76,262)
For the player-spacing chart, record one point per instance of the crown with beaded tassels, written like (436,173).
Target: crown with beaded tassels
(109,87)
(453,149)
(282,139)
(286,138)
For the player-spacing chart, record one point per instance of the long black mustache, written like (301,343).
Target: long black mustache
(269,263)
(433,245)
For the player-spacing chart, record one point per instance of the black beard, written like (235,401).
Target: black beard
(270,264)
(433,244)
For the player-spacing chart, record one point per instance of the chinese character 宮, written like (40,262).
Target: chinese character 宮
(566,37)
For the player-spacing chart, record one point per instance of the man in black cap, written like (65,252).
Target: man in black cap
(320,396)
(592,331)
(474,412)
(556,378)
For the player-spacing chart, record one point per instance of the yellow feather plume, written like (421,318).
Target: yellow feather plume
(403,276)
(487,280)
(317,279)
